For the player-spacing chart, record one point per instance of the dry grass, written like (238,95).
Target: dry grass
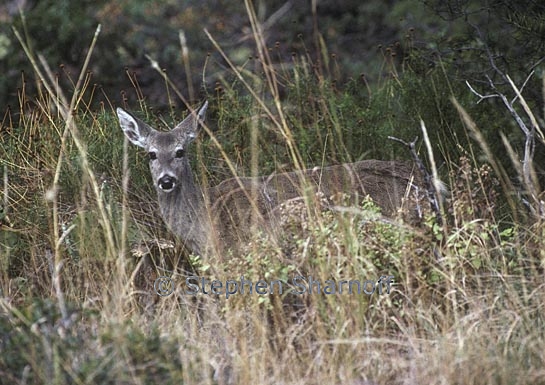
(466,306)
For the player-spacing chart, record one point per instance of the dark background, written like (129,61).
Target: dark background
(356,35)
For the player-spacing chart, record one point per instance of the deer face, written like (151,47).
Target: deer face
(167,151)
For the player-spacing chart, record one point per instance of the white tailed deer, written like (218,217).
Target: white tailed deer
(215,218)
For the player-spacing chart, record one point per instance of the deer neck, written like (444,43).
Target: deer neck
(184,212)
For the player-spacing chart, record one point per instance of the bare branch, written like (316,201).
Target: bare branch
(431,191)
(527,174)
(481,97)
(522,87)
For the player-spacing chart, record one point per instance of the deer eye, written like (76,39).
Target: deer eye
(152,155)
(180,153)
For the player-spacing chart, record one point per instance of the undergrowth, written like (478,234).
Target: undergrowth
(82,244)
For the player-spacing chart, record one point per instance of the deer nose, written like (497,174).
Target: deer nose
(166,182)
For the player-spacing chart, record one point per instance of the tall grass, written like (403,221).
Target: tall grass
(81,246)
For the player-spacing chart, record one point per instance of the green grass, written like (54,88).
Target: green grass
(77,306)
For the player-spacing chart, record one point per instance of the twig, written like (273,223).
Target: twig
(527,174)
(431,191)
(481,97)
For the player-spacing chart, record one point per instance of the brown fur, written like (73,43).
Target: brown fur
(221,217)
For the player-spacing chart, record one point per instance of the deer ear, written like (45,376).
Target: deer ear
(136,130)
(202,113)
(189,127)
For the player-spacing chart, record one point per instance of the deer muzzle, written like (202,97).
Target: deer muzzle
(166,183)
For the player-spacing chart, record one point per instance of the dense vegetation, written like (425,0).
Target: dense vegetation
(81,242)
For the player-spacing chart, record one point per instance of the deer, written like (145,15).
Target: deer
(217,218)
